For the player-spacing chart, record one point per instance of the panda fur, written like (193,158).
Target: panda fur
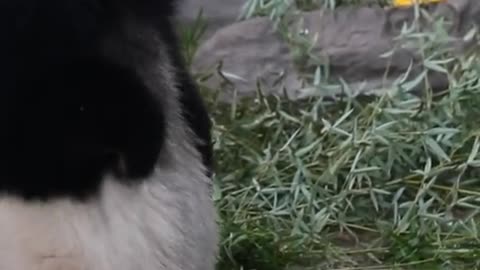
(105,154)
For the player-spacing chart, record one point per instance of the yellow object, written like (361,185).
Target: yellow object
(407,3)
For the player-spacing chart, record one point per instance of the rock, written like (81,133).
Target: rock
(249,50)
(351,38)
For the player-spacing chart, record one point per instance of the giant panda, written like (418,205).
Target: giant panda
(105,154)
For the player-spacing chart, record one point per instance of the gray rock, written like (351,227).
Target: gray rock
(249,51)
(351,38)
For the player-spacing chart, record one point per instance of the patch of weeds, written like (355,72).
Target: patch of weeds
(385,182)
(190,37)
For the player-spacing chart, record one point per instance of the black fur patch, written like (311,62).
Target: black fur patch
(68,114)
(193,107)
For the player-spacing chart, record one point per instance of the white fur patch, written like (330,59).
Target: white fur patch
(167,223)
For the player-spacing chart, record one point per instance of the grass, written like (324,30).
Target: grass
(382,182)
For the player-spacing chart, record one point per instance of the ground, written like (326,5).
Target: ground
(379,182)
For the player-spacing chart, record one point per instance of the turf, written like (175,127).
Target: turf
(383,182)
